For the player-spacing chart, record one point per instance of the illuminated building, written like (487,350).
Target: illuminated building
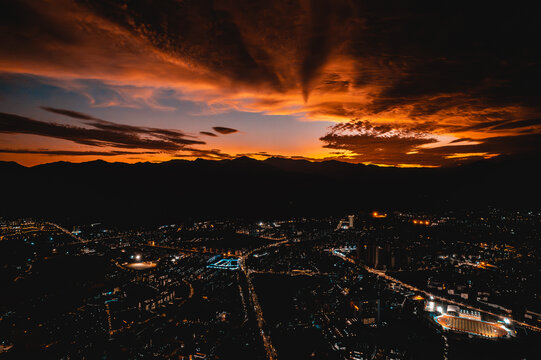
(225,264)
(475,327)
(141,265)
(351,221)
(346,224)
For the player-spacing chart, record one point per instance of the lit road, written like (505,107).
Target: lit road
(410,287)
(190,295)
(269,349)
(25,231)
(184,250)
(109,321)
(243,300)
(67,232)
(302,272)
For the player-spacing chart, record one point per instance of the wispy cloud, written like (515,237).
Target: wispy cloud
(72,152)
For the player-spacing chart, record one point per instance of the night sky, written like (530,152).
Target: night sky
(403,83)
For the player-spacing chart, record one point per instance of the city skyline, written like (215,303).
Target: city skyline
(392,84)
(360,286)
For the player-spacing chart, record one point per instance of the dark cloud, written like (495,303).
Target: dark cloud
(375,149)
(71,152)
(171,135)
(174,136)
(208,133)
(383,129)
(24,18)
(437,48)
(499,125)
(318,43)
(69,113)
(335,108)
(210,154)
(518,124)
(483,125)
(224,130)
(461,140)
(203,32)
(411,52)
(101,133)
(383,144)
(374,143)
(507,145)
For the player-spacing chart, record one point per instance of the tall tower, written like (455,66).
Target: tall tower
(351,219)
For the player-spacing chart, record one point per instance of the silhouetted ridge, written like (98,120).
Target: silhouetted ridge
(276,187)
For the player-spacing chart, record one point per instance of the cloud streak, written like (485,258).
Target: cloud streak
(383,144)
(71,152)
(99,133)
(208,133)
(69,113)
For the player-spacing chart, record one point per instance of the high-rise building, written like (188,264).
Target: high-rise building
(351,221)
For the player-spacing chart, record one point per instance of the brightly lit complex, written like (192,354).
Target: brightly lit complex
(224,264)
(470,326)
(141,265)
(465,321)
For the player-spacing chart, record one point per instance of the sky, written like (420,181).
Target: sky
(391,83)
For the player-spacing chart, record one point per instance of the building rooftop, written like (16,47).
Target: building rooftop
(476,327)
